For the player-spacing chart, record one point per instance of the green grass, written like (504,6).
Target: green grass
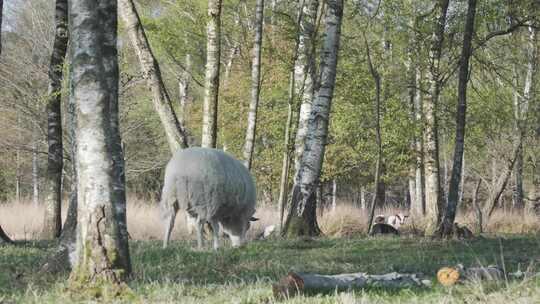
(245,275)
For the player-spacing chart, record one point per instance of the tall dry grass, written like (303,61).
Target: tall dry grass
(23,221)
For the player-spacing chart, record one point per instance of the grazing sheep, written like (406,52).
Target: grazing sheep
(212,187)
(381,228)
(396,220)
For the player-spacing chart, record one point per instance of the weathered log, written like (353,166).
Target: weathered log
(449,276)
(296,283)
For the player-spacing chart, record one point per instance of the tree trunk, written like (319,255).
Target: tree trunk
(52,224)
(288,149)
(302,219)
(298,283)
(477,208)
(334,194)
(35,167)
(211,91)
(305,73)
(94,78)
(184,88)
(430,107)
(61,259)
(174,128)
(255,85)
(447,227)
(419,147)
(3,236)
(378,138)
(521,111)
(502,181)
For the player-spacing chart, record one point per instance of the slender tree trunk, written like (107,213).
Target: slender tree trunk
(447,226)
(3,236)
(184,88)
(302,219)
(304,69)
(61,259)
(334,194)
(502,181)
(378,138)
(35,167)
(419,147)
(52,224)
(433,192)
(174,128)
(211,91)
(477,208)
(93,70)
(255,85)
(521,109)
(117,152)
(288,149)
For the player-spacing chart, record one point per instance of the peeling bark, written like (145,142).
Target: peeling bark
(305,73)
(302,219)
(93,70)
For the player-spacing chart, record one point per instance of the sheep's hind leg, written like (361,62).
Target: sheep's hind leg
(170,217)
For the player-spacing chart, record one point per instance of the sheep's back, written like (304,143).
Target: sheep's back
(211,183)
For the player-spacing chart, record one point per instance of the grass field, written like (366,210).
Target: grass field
(180,274)
(245,275)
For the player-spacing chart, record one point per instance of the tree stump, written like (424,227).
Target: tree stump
(298,283)
(449,276)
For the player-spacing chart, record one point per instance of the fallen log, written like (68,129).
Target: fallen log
(449,276)
(297,283)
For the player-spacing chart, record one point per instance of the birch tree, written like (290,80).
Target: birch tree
(522,103)
(52,223)
(94,78)
(3,236)
(255,85)
(174,128)
(447,225)
(302,216)
(211,90)
(430,107)
(305,73)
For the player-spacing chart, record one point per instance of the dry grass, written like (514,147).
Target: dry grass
(23,221)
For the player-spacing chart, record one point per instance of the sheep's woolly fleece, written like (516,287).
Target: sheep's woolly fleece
(209,182)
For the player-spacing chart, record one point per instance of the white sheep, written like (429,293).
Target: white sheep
(212,186)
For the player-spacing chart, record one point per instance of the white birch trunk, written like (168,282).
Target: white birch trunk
(305,74)
(94,67)
(302,219)
(430,108)
(255,85)
(211,91)
(174,129)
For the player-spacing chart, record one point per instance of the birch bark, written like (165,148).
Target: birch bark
(93,71)
(430,107)
(255,85)
(302,217)
(174,128)
(211,91)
